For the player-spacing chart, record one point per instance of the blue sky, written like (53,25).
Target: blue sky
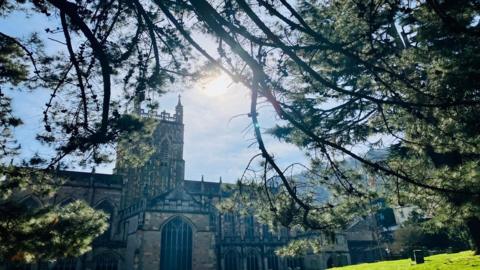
(216,142)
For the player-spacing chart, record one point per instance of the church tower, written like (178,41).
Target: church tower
(165,170)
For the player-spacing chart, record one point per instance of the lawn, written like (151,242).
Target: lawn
(462,260)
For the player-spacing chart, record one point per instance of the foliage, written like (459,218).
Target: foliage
(33,232)
(413,236)
(134,149)
(342,76)
(462,260)
(347,75)
(48,233)
(13,72)
(81,118)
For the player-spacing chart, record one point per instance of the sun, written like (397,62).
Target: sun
(215,85)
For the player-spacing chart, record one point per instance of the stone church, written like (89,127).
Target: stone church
(161,221)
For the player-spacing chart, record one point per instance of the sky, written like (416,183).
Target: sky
(218,140)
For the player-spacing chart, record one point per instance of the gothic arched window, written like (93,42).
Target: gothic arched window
(232,260)
(176,246)
(164,164)
(253,263)
(272,260)
(106,262)
(164,150)
(108,208)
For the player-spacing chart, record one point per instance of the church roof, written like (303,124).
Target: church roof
(194,187)
(98,178)
(177,194)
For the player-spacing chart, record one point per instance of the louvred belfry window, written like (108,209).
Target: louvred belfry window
(176,246)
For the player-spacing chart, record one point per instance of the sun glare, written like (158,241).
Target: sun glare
(216,85)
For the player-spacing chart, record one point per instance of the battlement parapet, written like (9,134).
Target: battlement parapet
(165,116)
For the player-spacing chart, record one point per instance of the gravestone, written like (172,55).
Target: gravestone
(419,257)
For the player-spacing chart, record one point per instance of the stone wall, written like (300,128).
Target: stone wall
(146,241)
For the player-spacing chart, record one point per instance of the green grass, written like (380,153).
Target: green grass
(462,260)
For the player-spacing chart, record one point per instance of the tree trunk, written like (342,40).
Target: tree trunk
(473,224)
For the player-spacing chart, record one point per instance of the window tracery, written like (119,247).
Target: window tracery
(176,245)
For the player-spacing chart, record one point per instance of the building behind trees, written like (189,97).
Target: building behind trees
(159,220)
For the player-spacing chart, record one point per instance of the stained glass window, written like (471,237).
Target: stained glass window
(176,246)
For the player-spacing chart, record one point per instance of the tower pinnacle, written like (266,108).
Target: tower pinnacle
(179,104)
(179,110)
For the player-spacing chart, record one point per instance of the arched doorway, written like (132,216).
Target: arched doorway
(176,246)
